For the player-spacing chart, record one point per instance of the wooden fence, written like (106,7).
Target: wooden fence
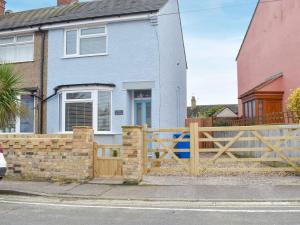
(265,119)
(161,153)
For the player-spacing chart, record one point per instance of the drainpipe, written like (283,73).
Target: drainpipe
(41,108)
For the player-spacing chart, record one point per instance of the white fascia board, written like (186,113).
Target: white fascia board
(97,21)
(18,31)
(57,25)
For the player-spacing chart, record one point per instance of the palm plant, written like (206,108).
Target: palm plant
(10,90)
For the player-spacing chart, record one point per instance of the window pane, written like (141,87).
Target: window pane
(95,45)
(24,53)
(254,108)
(27,120)
(6,40)
(138,114)
(25,38)
(79,95)
(71,39)
(78,114)
(60,112)
(95,30)
(246,110)
(250,109)
(142,94)
(16,53)
(11,128)
(7,54)
(104,111)
(148,114)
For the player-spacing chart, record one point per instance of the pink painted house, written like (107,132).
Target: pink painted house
(268,62)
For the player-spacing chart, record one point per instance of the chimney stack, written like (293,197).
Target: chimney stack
(2,7)
(65,2)
(194,102)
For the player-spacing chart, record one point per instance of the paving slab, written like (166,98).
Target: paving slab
(250,192)
(206,192)
(95,190)
(35,187)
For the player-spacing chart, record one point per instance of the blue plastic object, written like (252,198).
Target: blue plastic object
(182,145)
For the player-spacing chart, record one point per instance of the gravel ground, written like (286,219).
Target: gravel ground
(174,168)
(246,179)
(174,173)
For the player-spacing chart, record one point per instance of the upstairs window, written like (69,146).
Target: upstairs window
(86,42)
(19,48)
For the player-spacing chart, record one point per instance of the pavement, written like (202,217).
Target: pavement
(286,190)
(158,200)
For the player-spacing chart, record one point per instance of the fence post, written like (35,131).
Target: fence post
(194,148)
(145,146)
(83,144)
(133,154)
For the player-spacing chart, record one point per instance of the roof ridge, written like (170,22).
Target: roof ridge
(43,8)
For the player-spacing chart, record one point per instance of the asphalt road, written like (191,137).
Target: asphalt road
(44,211)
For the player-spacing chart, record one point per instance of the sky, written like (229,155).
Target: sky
(213,32)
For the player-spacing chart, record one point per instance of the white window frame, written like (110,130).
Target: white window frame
(18,122)
(15,43)
(93,99)
(79,36)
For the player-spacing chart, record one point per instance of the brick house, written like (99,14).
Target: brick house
(268,61)
(28,54)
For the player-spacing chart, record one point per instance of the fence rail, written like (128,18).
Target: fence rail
(265,119)
(271,148)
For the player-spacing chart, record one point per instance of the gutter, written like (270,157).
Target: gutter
(18,31)
(80,21)
(56,89)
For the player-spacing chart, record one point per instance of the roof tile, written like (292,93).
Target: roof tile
(78,11)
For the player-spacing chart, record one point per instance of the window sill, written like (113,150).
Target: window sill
(83,56)
(20,62)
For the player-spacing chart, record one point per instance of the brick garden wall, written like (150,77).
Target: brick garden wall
(50,157)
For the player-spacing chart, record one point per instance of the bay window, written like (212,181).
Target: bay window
(19,48)
(24,123)
(90,108)
(86,42)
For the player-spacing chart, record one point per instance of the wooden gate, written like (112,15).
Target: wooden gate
(107,161)
(160,153)
(258,149)
(274,148)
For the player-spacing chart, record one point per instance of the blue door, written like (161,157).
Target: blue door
(142,112)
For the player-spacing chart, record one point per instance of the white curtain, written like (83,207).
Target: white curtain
(16,53)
